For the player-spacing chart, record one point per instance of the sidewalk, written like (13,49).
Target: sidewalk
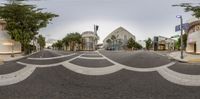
(9,58)
(4,58)
(1,61)
(189,58)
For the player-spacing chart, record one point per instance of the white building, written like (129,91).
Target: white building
(163,43)
(193,41)
(49,43)
(89,40)
(7,46)
(121,38)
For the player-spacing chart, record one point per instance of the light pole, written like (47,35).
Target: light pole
(181,27)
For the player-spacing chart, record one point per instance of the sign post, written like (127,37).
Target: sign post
(181,27)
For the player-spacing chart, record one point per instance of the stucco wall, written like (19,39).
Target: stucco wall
(90,40)
(6,47)
(6,44)
(192,38)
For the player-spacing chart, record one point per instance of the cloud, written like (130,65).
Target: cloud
(143,18)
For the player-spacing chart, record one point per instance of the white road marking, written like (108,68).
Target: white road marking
(91,58)
(164,71)
(138,69)
(50,58)
(91,71)
(179,78)
(15,77)
(148,69)
(41,66)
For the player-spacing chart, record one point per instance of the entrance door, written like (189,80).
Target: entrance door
(195,47)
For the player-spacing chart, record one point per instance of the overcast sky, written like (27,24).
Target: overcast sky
(143,18)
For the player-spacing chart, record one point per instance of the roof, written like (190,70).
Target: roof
(116,31)
(165,37)
(192,24)
(87,32)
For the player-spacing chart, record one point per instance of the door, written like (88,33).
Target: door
(195,47)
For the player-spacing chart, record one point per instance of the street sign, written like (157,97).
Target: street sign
(185,26)
(177,28)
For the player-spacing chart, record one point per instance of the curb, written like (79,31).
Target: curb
(1,62)
(20,57)
(172,58)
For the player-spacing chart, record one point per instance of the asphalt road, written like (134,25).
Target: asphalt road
(58,82)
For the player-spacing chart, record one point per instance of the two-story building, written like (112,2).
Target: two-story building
(89,41)
(163,43)
(193,41)
(117,40)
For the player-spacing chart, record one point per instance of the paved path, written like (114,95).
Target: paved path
(97,75)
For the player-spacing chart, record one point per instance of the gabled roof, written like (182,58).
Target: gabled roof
(116,31)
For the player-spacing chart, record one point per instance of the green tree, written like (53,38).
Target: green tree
(65,41)
(108,41)
(24,21)
(178,43)
(148,43)
(138,46)
(73,39)
(58,45)
(41,41)
(189,7)
(131,43)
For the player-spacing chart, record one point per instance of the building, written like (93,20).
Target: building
(117,40)
(193,41)
(49,43)
(89,40)
(163,43)
(7,46)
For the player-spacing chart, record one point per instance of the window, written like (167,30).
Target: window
(125,37)
(198,28)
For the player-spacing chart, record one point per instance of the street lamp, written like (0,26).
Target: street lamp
(181,27)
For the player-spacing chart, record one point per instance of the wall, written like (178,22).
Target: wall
(192,38)
(6,44)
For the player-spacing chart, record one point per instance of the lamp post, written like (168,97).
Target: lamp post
(181,27)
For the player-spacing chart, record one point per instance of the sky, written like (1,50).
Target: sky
(142,18)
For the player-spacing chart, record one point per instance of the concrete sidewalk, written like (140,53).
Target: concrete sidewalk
(4,58)
(189,58)
(9,58)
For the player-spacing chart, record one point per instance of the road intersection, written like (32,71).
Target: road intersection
(92,66)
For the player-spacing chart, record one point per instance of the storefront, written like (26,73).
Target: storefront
(161,43)
(193,42)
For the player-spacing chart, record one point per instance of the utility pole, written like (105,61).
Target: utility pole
(181,27)
(181,37)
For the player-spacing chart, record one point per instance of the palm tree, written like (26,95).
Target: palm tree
(73,39)
(108,41)
(65,41)
(58,45)
(41,41)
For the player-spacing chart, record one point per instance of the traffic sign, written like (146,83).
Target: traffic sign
(185,26)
